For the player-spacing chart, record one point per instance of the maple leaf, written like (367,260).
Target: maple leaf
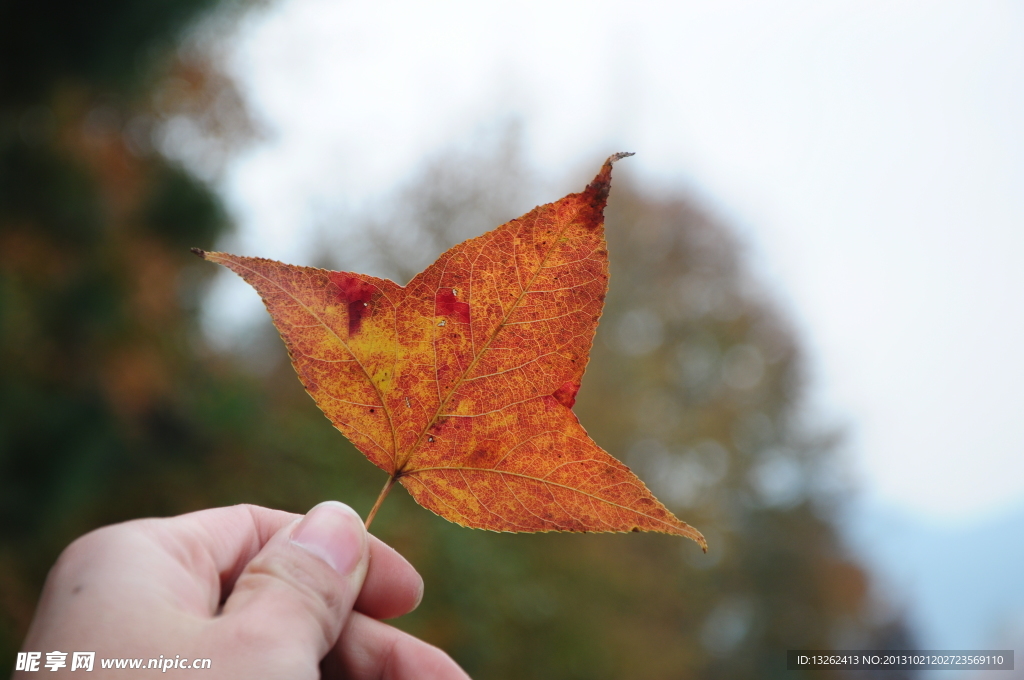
(460,385)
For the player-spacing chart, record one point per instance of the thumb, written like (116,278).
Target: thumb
(292,600)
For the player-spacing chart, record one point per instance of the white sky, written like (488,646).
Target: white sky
(872,153)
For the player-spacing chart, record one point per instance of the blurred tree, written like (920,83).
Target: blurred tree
(695,381)
(110,408)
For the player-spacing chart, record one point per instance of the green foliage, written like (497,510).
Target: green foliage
(182,210)
(110,44)
(58,197)
(104,402)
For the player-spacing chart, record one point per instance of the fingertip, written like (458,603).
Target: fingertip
(333,532)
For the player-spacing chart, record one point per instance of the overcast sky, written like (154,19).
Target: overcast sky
(870,153)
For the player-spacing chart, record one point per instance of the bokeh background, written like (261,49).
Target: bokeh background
(810,351)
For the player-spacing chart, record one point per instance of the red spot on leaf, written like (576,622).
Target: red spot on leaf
(566,394)
(357,294)
(485,454)
(446,304)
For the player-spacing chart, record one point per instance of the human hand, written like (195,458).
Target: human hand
(260,593)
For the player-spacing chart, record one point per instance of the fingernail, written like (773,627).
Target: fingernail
(419,596)
(333,532)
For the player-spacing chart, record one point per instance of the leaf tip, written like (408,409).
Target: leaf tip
(684,529)
(199,252)
(597,191)
(699,538)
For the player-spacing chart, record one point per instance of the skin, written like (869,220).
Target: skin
(262,593)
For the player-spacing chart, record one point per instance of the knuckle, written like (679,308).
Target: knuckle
(87,549)
(252,633)
(296,595)
(305,574)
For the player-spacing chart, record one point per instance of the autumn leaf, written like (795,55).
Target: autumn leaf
(461,384)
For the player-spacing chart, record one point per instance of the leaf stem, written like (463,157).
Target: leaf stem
(380,499)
